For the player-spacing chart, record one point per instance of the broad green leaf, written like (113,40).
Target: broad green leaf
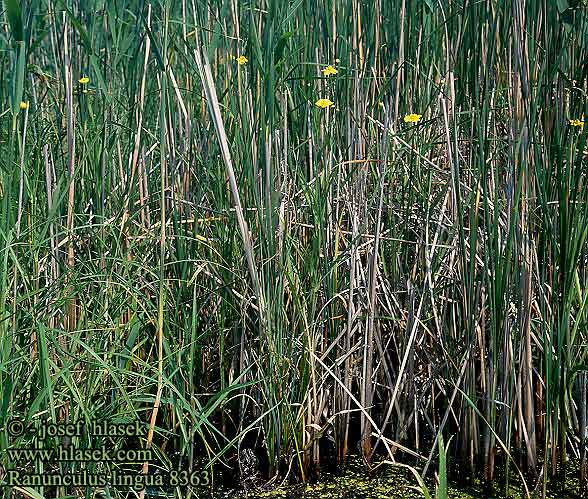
(14,14)
(562,5)
(279,50)
(18,78)
(442,489)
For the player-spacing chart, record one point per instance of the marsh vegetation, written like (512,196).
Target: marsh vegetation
(283,233)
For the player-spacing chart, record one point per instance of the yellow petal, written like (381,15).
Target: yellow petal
(413,118)
(329,70)
(323,103)
(24,105)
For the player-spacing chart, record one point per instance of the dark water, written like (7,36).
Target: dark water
(386,482)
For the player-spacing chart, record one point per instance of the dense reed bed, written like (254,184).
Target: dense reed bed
(195,240)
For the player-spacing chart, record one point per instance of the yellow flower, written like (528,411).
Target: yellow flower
(241,60)
(323,103)
(24,105)
(337,61)
(412,118)
(579,123)
(84,80)
(329,70)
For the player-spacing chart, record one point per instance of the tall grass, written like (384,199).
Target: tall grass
(193,242)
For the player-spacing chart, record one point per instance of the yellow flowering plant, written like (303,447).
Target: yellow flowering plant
(324,103)
(329,70)
(412,118)
(578,123)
